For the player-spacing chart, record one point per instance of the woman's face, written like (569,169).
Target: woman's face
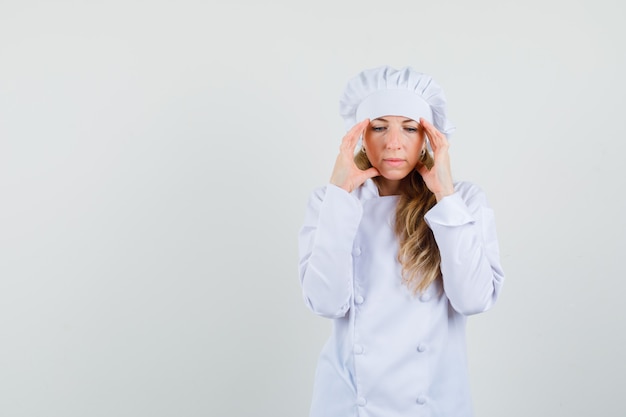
(393,145)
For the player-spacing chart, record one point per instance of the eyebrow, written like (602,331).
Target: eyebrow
(404,121)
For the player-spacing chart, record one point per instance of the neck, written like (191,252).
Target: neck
(388,187)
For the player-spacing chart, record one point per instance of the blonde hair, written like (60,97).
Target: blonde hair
(418,253)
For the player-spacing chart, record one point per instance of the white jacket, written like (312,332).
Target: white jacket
(393,354)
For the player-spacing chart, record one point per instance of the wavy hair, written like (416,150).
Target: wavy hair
(418,253)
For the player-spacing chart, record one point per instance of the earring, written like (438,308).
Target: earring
(363,149)
(423,153)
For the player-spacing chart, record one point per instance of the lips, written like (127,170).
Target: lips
(394,161)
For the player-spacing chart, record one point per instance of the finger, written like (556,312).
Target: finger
(431,130)
(435,137)
(352,137)
(421,168)
(360,131)
(429,127)
(363,176)
(371,173)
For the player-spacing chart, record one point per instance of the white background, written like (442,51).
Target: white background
(156,158)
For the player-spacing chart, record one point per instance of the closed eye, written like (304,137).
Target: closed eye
(410,129)
(379,128)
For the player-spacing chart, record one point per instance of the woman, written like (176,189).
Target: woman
(398,255)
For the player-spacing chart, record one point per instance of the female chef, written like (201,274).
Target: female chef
(397,254)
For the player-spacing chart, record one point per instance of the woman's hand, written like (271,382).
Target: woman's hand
(438,179)
(346,174)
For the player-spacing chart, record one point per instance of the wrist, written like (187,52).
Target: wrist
(443,194)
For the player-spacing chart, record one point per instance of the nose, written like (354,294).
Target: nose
(393,139)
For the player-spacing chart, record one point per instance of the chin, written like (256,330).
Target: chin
(394,175)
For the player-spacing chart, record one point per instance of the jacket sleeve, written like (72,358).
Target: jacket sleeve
(325,244)
(464,227)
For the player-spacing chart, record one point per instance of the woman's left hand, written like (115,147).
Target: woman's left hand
(438,179)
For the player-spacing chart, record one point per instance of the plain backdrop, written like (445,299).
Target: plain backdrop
(155,162)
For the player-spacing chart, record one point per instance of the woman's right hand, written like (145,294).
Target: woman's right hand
(346,174)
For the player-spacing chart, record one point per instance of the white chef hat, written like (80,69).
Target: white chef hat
(385,91)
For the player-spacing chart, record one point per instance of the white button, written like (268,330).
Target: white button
(358,349)
(421,400)
(358,299)
(421,347)
(357,251)
(425,297)
(361,401)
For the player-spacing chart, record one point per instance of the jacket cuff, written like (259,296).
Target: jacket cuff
(449,211)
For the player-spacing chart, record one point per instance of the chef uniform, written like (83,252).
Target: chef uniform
(393,353)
